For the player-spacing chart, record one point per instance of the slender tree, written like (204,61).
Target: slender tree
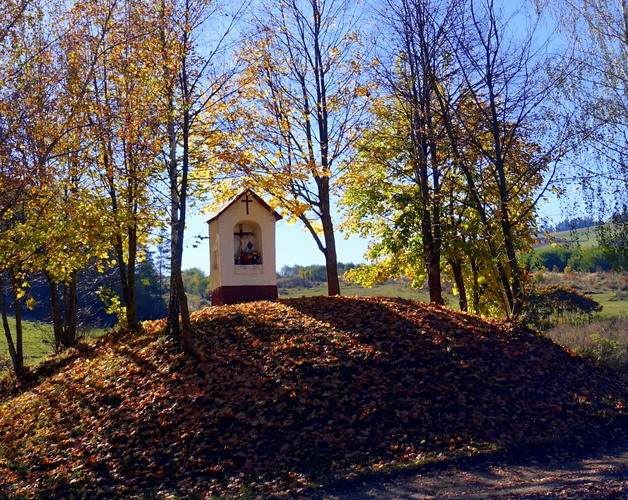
(418,66)
(297,109)
(29,137)
(124,121)
(503,81)
(192,84)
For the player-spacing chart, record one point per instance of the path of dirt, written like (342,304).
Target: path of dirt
(597,475)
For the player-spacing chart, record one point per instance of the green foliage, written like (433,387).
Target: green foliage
(316,273)
(559,258)
(606,352)
(196,282)
(552,259)
(613,238)
(545,306)
(592,259)
(112,303)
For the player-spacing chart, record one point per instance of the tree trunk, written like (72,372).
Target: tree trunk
(19,341)
(70,295)
(331,258)
(515,300)
(126,269)
(322,120)
(456,270)
(432,262)
(15,351)
(432,251)
(131,300)
(57,319)
(64,323)
(477,292)
(173,326)
(178,328)
(173,330)
(331,262)
(186,327)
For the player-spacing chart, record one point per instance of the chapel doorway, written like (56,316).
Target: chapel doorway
(247,244)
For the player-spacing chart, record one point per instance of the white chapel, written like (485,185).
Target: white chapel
(242,251)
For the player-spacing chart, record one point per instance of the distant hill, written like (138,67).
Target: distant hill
(585,237)
(285,393)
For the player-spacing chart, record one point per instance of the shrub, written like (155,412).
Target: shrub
(549,258)
(558,259)
(606,352)
(546,306)
(294,282)
(590,260)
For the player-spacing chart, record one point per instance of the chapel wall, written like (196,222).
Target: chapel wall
(224,272)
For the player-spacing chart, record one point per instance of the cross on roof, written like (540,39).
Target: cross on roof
(247,201)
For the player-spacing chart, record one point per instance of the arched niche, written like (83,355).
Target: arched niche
(247,244)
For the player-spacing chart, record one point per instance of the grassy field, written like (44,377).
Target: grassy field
(38,342)
(384,290)
(585,237)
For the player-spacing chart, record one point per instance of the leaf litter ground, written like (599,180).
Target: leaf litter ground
(289,394)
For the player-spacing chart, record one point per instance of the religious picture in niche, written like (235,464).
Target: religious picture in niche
(245,244)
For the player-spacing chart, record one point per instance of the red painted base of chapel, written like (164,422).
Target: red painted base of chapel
(225,295)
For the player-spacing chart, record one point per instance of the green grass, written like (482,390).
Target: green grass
(390,289)
(585,237)
(614,307)
(37,341)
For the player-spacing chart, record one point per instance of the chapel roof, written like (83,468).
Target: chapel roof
(257,198)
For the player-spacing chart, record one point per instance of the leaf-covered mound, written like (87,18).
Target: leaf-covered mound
(283,392)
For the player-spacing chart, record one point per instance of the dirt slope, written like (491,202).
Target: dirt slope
(285,393)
